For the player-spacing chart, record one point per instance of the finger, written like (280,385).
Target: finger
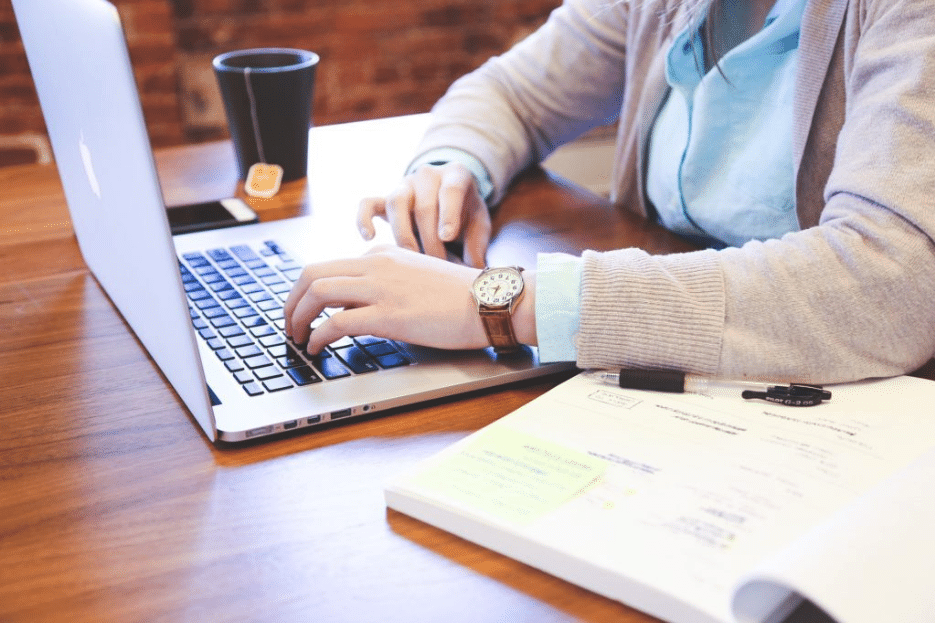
(347,322)
(334,284)
(477,237)
(296,294)
(324,293)
(453,198)
(369,208)
(399,207)
(426,183)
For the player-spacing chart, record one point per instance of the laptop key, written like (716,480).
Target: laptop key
(195,259)
(243,376)
(205,303)
(225,295)
(244,253)
(254,322)
(239,341)
(267,373)
(263,330)
(246,352)
(272,340)
(245,312)
(292,274)
(206,333)
(214,312)
(253,388)
(357,360)
(259,361)
(342,342)
(303,375)
(277,384)
(222,321)
(274,247)
(231,331)
(236,302)
(394,360)
(286,356)
(330,367)
(379,349)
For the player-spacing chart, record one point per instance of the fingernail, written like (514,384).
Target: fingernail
(446,232)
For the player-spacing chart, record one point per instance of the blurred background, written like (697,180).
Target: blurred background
(379,58)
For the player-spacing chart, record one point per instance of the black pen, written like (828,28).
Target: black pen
(673,381)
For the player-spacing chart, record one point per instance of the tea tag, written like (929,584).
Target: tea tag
(263,180)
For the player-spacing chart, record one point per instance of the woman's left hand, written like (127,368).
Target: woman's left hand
(389,292)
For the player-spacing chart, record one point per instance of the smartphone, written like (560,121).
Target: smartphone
(210,215)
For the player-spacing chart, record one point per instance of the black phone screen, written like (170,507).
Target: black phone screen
(210,215)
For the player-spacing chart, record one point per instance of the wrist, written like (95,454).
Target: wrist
(505,307)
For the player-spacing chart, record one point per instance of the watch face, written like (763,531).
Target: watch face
(498,286)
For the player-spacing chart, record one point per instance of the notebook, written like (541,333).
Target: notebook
(78,56)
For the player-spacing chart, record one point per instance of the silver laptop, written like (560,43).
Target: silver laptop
(207,306)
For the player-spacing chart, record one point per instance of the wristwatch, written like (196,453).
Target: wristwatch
(497,290)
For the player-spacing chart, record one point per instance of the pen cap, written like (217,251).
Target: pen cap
(655,380)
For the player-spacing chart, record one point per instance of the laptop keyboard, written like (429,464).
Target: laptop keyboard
(236,300)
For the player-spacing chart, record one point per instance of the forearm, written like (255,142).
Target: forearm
(848,300)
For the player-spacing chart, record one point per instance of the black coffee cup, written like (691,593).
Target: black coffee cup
(267,96)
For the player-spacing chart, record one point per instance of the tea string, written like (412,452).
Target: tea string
(253,115)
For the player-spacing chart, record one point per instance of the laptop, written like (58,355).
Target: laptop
(207,305)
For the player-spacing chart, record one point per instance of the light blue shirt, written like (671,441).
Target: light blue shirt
(720,167)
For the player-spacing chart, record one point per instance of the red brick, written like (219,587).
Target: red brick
(378,58)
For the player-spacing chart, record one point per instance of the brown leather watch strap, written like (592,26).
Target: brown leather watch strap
(499,327)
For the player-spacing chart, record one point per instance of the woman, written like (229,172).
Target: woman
(794,139)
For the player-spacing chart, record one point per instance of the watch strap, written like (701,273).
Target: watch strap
(498,323)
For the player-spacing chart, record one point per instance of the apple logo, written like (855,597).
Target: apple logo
(89,166)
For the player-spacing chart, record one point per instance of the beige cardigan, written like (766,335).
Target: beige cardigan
(850,296)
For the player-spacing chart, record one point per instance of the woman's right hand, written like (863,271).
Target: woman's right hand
(433,205)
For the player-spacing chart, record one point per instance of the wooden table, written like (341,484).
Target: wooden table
(114,507)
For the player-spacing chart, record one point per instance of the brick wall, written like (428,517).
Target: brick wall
(378,57)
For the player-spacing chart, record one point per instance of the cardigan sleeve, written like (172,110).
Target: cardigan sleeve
(564,79)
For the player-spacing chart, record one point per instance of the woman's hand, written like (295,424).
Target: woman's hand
(388,292)
(432,206)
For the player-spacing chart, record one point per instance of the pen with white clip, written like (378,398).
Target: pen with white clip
(673,381)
